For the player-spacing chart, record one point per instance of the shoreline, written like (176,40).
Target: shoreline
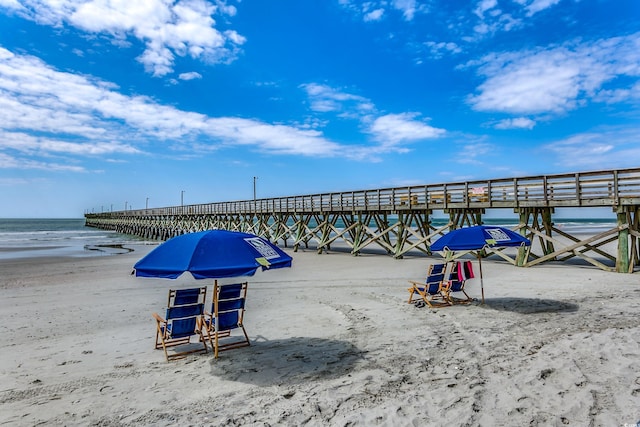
(10,253)
(29,248)
(334,342)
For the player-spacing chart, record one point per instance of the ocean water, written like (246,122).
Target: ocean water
(27,238)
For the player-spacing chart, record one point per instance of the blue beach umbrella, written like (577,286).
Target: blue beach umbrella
(212,254)
(477,238)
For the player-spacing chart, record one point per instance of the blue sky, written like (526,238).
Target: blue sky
(107,102)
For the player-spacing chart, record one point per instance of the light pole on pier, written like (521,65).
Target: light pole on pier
(254,187)
(182,198)
(146,204)
(255,178)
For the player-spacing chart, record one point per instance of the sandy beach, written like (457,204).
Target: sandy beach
(334,342)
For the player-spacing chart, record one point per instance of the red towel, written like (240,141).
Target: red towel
(465,270)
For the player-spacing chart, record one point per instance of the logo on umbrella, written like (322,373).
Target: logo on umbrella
(497,234)
(263,248)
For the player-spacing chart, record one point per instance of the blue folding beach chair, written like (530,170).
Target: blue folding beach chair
(227,314)
(457,282)
(184,319)
(433,291)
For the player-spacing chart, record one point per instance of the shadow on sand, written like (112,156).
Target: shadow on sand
(286,361)
(529,305)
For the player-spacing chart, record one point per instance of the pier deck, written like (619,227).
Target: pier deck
(399,219)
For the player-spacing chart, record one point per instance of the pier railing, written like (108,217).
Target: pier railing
(584,189)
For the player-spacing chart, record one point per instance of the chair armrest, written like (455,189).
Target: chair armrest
(445,284)
(158,318)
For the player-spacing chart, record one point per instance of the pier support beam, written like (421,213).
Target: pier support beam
(622,261)
(400,233)
(358,236)
(628,219)
(459,218)
(535,222)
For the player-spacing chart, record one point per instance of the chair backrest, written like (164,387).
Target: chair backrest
(181,311)
(455,284)
(435,276)
(187,296)
(184,308)
(228,305)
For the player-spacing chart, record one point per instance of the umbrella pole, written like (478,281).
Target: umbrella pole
(481,280)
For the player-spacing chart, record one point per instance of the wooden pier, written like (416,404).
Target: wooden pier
(400,219)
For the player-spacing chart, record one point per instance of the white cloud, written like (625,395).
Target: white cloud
(607,149)
(46,113)
(495,22)
(190,76)
(483,6)
(29,144)
(535,83)
(10,4)
(10,162)
(408,8)
(275,139)
(374,10)
(614,96)
(389,131)
(515,123)
(438,49)
(556,79)
(168,29)
(492,19)
(393,129)
(374,15)
(474,153)
(536,6)
(325,99)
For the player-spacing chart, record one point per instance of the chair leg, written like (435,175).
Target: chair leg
(223,346)
(465,300)
(437,300)
(411,292)
(159,337)
(245,335)
(163,345)
(215,347)
(202,340)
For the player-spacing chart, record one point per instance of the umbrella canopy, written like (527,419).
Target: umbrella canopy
(212,254)
(479,237)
